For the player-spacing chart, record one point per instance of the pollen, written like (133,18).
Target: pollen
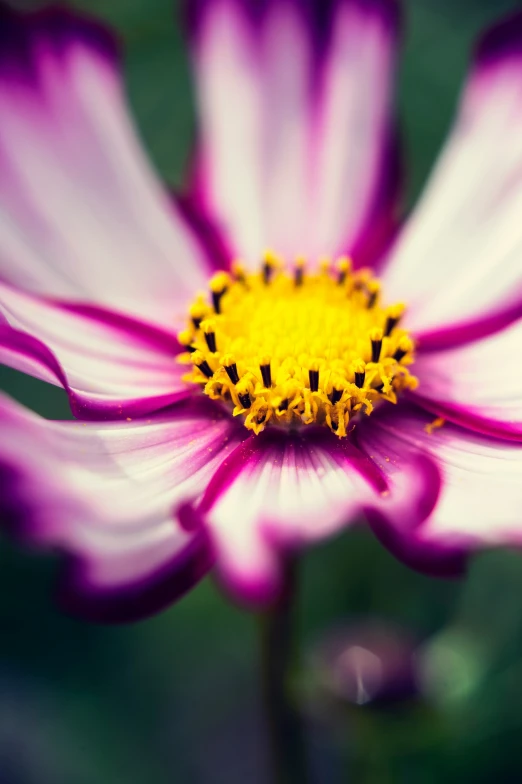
(295,345)
(430,427)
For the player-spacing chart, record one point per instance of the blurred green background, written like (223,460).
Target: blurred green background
(175,699)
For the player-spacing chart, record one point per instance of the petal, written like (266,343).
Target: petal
(478,385)
(106,494)
(110,365)
(481,494)
(414,477)
(81,213)
(281,490)
(357,173)
(294,103)
(459,260)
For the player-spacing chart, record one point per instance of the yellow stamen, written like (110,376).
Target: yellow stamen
(373,289)
(271,262)
(198,310)
(300,264)
(238,271)
(344,265)
(298,347)
(325,265)
(435,425)
(271,258)
(185,337)
(219,282)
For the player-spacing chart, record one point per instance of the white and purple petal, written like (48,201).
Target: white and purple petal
(82,215)
(106,494)
(477,385)
(280,491)
(480,500)
(458,263)
(112,366)
(416,478)
(296,142)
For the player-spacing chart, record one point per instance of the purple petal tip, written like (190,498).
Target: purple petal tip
(430,559)
(318,14)
(502,40)
(132,603)
(55,26)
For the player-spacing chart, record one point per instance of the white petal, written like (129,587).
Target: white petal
(478,385)
(110,365)
(81,213)
(295,124)
(459,259)
(107,493)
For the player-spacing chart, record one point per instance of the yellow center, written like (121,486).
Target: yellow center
(295,347)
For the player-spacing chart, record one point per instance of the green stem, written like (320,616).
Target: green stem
(285,730)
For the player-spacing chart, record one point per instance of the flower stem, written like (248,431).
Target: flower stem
(285,729)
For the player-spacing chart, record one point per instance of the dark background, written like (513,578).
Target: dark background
(175,698)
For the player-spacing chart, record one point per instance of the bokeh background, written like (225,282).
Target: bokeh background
(175,699)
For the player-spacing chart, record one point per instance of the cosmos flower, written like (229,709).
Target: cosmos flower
(272,357)
(361,662)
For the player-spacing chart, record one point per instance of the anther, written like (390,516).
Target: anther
(201,363)
(232,373)
(299,272)
(283,405)
(210,337)
(266,374)
(359,371)
(209,329)
(229,363)
(362,279)
(206,369)
(344,266)
(376,350)
(405,345)
(216,300)
(373,293)
(313,375)
(185,340)
(325,265)
(198,311)
(269,264)
(238,271)
(376,339)
(336,395)
(218,287)
(394,316)
(391,323)
(245,400)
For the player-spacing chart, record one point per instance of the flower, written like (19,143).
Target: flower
(362,662)
(119,293)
